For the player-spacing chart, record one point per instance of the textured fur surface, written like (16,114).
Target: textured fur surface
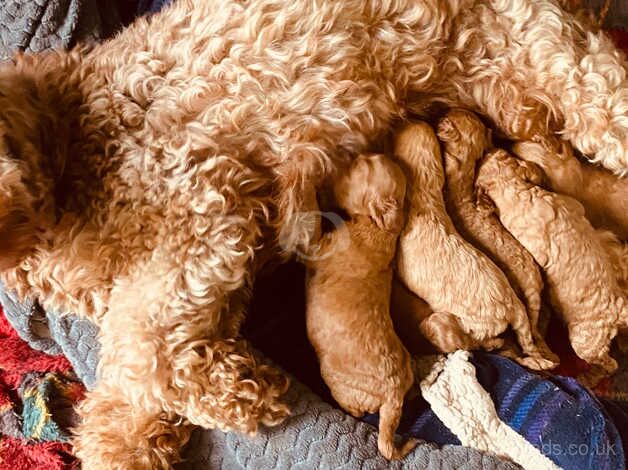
(465,140)
(347,300)
(408,312)
(603,194)
(581,279)
(439,266)
(164,161)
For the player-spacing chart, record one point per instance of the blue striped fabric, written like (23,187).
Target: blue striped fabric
(151,6)
(556,415)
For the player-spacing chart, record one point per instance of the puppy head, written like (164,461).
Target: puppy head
(374,186)
(463,135)
(557,160)
(499,167)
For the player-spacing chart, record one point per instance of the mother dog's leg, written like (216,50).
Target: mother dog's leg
(114,435)
(169,342)
(533,68)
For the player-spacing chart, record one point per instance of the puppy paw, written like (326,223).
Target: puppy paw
(537,363)
(392,452)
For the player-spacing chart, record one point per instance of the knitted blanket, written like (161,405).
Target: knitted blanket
(35,25)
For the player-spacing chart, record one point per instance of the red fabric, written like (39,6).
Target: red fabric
(17,359)
(18,455)
(6,331)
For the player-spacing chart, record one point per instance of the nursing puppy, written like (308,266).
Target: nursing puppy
(582,282)
(465,140)
(603,194)
(466,290)
(347,300)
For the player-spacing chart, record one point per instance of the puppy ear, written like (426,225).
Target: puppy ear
(532,172)
(483,200)
(386,213)
(447,132)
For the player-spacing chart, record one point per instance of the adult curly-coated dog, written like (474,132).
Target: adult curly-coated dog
(142,182)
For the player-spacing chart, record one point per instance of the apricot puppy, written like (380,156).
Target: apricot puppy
(465,140)
(465,289)
(603,194)
(582,282)
(348,291)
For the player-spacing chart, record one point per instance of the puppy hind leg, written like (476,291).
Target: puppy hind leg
(533,302)
(592,343)
(539,356)
(444,331)
(601,367)
(534,306)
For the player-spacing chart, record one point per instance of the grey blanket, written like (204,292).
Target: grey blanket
(35,25)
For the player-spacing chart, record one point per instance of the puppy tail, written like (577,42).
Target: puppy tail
(389,417)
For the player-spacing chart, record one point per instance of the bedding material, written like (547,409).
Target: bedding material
(315,436)
(37,395)
(37,25)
